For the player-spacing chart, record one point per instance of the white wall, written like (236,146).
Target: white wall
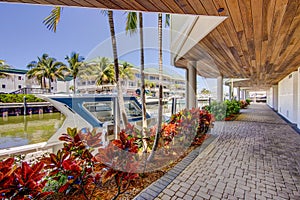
(270,97)
(288,97)
(298,119)
(63,86)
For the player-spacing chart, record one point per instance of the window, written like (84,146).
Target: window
(132,84)
(101,110)
(20,78)
(3,86)
(152,77)
(19,86)
(138,75)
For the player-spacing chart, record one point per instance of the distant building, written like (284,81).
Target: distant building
(173,84)
(17,81)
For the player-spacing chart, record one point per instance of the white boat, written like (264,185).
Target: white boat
(87,111)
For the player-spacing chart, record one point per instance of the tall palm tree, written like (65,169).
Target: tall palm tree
(160,92)
(75,64)
(36,70)
(131,27)
(116,67)
(51,22)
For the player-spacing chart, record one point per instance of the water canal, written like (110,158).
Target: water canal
(30,129)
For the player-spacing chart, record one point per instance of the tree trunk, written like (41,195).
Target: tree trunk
(116,67)
(74,87)
(143,95)
(49,80)
(159,120)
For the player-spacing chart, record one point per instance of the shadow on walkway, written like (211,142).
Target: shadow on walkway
(255,157)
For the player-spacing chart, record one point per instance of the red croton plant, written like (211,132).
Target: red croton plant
(76,170)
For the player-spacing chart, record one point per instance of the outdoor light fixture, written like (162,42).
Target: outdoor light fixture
(220,10)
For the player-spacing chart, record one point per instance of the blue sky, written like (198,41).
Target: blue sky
(23,36)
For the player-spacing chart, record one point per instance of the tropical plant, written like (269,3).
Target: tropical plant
(46,67)
(100,70)
(116,68)
(71,169)
(75,65)
(22,182)
(205,91)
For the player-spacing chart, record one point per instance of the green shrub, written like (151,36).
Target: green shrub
(248,101)
(18,98)
(218,109)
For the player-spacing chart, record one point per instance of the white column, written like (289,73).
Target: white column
(275,97)
(192,85)
(243,94)
(220,88)
(238,93)
(187,88)
(230,92)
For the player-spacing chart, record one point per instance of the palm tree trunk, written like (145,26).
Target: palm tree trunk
(74,87)
(116,67)
(159,120)
(49,80)
(143,95)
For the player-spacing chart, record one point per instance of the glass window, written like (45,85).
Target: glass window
(103,111)
(20,77)
(132,109)
(19,86)
(3,86)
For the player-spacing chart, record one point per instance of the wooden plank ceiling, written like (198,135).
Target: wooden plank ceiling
(260,39)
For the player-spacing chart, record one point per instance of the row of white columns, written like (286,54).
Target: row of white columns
(191,87)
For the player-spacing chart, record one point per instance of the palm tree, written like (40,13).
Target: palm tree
(100,70)
(75,64)
(160,92)
(131,27)
(36,70)
(126,71)
(46,67)
(51,22)
(116,67)
(3,66)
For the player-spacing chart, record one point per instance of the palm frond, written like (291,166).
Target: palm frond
(167,22)
(131,23)
(52,20)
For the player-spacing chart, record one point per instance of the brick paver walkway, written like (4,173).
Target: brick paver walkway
(255,157)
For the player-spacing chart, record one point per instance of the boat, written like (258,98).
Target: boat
(150,100)
(85,111)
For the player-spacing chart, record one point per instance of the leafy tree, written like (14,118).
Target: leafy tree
(46,67)
(52,21)
(101,70)
(75,65)
(205,91)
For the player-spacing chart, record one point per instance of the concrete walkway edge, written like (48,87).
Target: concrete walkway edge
(158,186)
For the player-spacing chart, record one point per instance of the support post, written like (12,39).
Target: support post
(275,97)
(238,93)
(191,85)
(220,88)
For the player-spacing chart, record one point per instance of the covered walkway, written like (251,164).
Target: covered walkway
(255,157)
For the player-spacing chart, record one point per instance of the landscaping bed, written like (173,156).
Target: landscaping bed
(117,171)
